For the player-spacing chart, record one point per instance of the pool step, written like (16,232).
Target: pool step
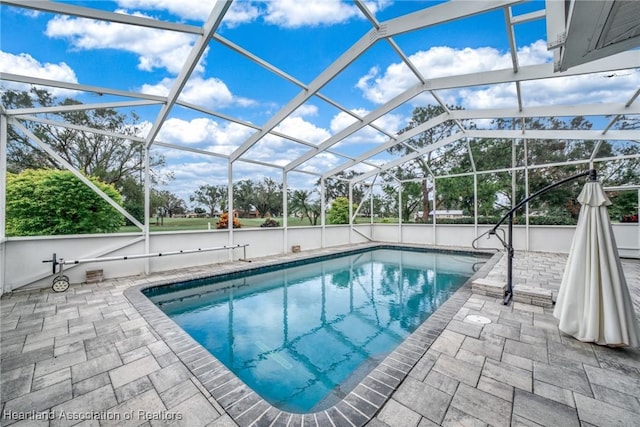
(491,288)
(532,295)
(524,294)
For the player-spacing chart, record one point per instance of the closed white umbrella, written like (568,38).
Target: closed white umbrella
(594,304)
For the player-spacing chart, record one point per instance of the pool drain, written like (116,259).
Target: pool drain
(480,320)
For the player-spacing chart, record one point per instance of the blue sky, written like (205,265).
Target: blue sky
(300,38)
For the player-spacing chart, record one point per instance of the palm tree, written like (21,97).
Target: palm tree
(302,202)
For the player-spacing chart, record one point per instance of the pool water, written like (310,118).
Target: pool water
(303,336)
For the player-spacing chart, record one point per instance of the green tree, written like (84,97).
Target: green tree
(302,202)
(55,202)
(268,197)
(625,203)
(419,166)
(457,193)
(166,203)
(560,201)
(244,195)
(338,186)
(339,211)
(210,196)
(378,206)
(495,193)
(133,202)
(412,194)
(113,160)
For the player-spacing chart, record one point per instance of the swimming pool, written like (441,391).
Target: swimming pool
(303,336)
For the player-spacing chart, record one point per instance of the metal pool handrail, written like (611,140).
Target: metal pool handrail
(508,294)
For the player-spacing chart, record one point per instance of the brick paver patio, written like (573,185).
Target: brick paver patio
(94,357)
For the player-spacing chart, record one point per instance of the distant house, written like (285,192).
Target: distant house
(196,215)
(441,214)
(447,213)
(253,212)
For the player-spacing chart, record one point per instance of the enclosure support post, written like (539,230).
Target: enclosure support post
(147,208)
(3,174)
(434,240)
(371,201)
(526,194)
(371,204)
(3,196)
(513,171)
(400,212)
(475,204)
(230,215)
(350,212)
(323,211)
(285,212)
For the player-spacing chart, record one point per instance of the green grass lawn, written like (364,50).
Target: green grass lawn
(184,224)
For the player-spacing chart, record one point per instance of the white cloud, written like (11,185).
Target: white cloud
(498,96)
(342,120)
(284,13)
(240,12)
(190,170)
(281,151)
(198,10)
(585,89)
(203,132)
(392,123)
(321,163)
(380,86)
(305,110)
(300,128)
(313,13)
(195,174)
(190,9)
(155,48)
(360,168)
(297,126)
(210,92)
(275,150)
(190,175)
(25,64)
(224,138)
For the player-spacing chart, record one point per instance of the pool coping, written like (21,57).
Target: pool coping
(360,405)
